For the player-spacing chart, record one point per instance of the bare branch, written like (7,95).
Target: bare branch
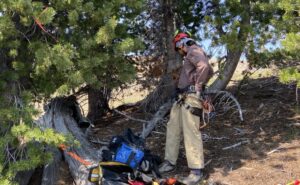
(236,145)
(129,117)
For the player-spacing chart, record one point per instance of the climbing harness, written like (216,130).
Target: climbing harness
(205,112)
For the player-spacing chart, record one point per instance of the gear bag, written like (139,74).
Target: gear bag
(130,155)
(111,173)
(127,148)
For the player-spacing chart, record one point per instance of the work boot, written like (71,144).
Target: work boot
(165,167)
(193,178)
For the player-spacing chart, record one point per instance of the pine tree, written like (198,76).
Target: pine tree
(233,27)
(291,46)
(239,27)
(51,47)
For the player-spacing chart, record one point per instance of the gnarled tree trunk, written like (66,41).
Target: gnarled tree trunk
(60,116)
(232,60)
(98,103)
(233,55)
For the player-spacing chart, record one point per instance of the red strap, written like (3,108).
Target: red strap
(38,22)
(135,183)
(74,155)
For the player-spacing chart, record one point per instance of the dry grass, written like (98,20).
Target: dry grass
(135,92)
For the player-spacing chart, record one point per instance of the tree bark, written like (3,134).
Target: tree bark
(50,172)
(23,177)
(170,56)
(159,115)
(59,116)
(166,86)
(232,60)
(98,103)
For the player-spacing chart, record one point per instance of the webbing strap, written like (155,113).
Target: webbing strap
(38,22)
(131,157)
(189,107)
(75,156)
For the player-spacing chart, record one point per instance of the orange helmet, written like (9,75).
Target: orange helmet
(180,35)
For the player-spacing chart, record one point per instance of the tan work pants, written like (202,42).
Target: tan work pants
(183,121)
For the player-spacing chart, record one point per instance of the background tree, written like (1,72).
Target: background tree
(291,47)
(243,27)
(51,48)
(231,29)
(160,21)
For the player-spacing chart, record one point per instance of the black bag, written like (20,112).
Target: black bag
(150,164)
(107,173)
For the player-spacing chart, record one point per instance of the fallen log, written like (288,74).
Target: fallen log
(159,115)
(60,116)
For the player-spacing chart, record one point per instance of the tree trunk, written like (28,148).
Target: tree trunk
(160,95)
(59,116)
(171,59)
(98,103)
(51,172)
(234,55)
(229,68)
(23,177)
(159,115)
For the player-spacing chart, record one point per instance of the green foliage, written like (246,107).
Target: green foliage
(78,43)
(225,24)
(290,74)
(291,44)
(46,16)
(22,144)
(79,35)
(106,33)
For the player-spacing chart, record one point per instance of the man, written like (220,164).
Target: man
(194,75)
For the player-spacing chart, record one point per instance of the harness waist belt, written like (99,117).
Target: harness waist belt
(189,89)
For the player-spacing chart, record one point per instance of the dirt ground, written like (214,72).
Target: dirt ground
(270,133)
(273,153)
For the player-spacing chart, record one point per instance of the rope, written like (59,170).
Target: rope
(38,22)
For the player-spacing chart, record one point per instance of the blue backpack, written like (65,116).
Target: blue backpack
(132,156)
(127,149)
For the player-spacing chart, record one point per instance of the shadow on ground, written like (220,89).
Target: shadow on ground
(270,152)
(271,149)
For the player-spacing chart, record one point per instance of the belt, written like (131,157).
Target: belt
(188,89)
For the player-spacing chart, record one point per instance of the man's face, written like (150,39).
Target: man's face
(181,51)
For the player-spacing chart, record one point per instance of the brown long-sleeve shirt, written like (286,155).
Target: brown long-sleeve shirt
(195,70)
